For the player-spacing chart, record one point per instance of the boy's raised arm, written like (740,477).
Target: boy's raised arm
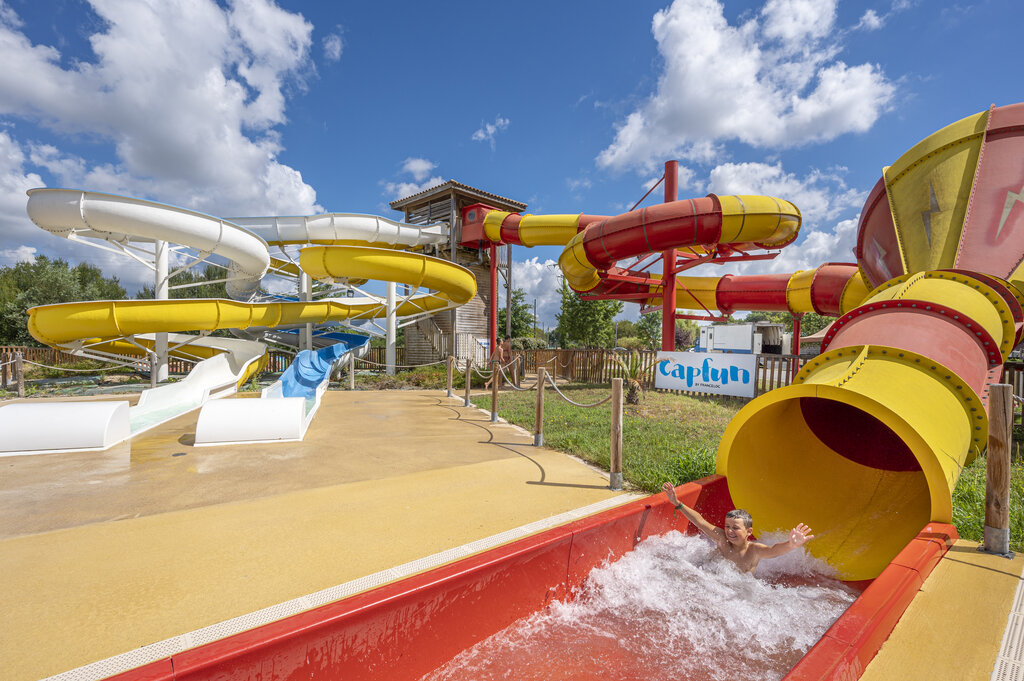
(798,536)
(691,515)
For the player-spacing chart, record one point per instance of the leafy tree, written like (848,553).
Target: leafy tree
(522,316)
(687,333)
(44,282)
(648,329)
(813,322)
(586,323)
(192,276)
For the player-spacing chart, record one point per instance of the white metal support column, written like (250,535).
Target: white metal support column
(306,294)
(391,330)
(161,291)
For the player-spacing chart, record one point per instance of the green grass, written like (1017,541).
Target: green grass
(434,377)
(667,437)
(969,503)
(675,438)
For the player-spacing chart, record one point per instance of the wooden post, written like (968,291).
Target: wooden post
(469,376)
(538,424)
(515,372)
(19,374)
(351,371)
(153,367)
(4,371)
(997,479)
(494,390)
(615,462)
(451,365)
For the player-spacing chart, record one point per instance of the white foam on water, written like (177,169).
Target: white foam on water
(672,607)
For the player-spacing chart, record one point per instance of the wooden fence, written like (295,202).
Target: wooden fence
(597,366)
(601,366)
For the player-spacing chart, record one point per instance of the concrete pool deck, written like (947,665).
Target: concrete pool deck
(105,552)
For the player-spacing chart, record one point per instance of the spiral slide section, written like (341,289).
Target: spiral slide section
(104,325)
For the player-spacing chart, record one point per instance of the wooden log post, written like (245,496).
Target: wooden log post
(469,376)
(152,369)
(515,372)
(351,371)
(451,365)
(19,374)
(997,479)
(495,375)
(5,370)
(538,423)
(615,461)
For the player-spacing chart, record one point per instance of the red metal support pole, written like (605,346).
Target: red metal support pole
(493,333)
(668,277)
(795,349)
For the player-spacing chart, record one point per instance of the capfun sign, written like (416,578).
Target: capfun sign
(718,373)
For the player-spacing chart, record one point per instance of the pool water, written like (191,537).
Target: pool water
(671,608)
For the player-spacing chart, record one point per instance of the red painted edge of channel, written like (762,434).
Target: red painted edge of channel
(408,628)
(845,650)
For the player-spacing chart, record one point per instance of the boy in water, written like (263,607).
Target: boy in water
(734,540)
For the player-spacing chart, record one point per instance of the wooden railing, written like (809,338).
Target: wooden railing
(379,356)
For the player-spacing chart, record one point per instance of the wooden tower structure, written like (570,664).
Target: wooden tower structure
(465,331)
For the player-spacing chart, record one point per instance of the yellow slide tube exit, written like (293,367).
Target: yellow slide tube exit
(867,445)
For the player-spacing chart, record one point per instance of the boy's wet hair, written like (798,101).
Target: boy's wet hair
(740,513)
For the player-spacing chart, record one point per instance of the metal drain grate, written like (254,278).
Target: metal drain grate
(172,646)
(1010,661)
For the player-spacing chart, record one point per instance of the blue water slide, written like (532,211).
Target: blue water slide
(311,367)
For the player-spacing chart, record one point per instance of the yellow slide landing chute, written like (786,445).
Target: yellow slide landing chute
(65,323)
(867,444)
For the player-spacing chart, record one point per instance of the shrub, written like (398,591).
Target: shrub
(527,343)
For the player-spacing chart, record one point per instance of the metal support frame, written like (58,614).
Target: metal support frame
(160,292)
(668,279)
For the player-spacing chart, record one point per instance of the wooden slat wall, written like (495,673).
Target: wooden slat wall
(473,317)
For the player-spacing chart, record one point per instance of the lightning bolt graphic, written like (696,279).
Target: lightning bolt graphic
(880,254)
(926,215)
(1011,198)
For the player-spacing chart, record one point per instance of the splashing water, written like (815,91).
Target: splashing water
(671,608)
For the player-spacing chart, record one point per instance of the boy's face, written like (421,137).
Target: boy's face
(736,531)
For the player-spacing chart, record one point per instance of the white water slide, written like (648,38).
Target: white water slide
(138,228)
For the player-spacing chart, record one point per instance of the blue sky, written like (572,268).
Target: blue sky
(256,108)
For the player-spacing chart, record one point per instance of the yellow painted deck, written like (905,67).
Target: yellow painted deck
(102,553)
(954,626)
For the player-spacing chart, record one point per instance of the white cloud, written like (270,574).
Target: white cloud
(798,21)
(487,131)
(575,184)
(333,46)
(871,21)
(420,169)
(12,256)
(820,196)
(541,281)
(772,81)
(186,96)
